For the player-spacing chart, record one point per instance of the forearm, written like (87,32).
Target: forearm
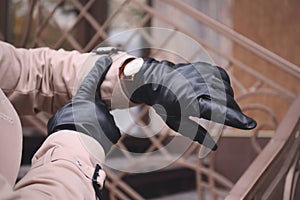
(38,79)
(42,79)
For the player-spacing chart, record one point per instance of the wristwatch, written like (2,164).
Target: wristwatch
(127,72)
(118,80)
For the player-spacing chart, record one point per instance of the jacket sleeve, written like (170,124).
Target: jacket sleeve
(38,79)
(43,79)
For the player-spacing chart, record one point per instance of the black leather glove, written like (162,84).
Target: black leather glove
(86,112)
(177,91)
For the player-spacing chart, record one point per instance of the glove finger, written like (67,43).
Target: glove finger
(224,75)
(217,96)
(201,136)
(231,103)
(211,110)
(228,101)
(204,138)
(218,88)
(206,79)
(94,78)
(110,132)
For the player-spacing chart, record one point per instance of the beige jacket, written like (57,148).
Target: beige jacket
(44,80)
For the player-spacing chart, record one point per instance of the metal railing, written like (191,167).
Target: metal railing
(84,31)
(278,162)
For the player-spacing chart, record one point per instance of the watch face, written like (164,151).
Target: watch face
(133,67)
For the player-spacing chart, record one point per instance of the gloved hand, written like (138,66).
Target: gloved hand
(178,91)
(86,112)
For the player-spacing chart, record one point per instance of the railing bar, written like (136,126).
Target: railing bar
(147,37)
(239,85)
(211,180)
(218,177)
(125,151)
(237,37)
(41,27)
(249,70)
(164,43)
(280,175)
(193,147)
(283,135)
(112,17)
(199,182)
(103,27)
(38,123)
(291,179)
(69,38)
(124,186)
(115,191)
(143,22)
(160,140)
(90,19)
(28,23)
(67,32)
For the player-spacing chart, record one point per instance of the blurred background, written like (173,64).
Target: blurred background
(258,44)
